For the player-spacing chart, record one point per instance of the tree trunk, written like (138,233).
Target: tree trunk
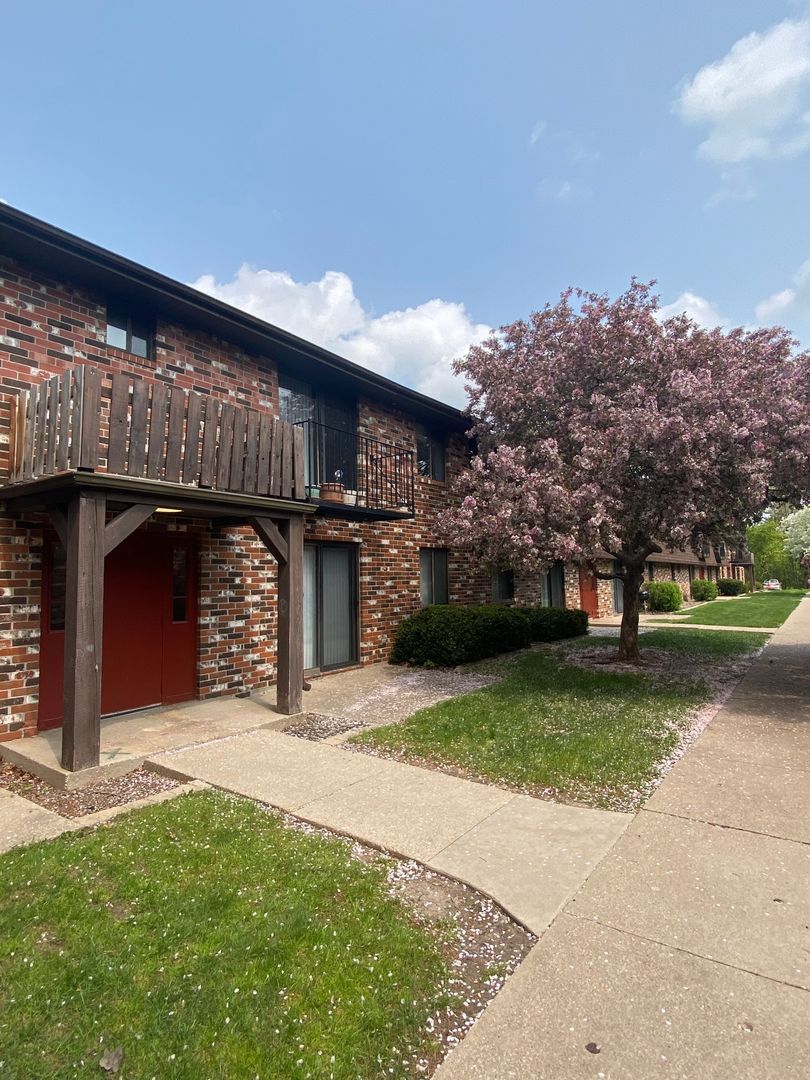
(628,635)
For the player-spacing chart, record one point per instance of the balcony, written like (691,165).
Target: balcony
(84,422)
(352,475)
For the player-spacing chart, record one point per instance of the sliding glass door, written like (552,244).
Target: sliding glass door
(330,606)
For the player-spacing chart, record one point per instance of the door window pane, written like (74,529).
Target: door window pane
(179,584)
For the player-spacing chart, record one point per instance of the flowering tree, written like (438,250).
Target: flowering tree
(797,535)
(606,431)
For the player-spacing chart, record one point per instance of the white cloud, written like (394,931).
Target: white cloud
(537,132)
(735,186)
(698,308)
(755,100)
(415,346)
(788,303)
(565,189)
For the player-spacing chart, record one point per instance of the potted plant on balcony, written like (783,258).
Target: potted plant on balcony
(333,491)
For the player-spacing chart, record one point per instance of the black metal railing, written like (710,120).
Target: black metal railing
(343,468)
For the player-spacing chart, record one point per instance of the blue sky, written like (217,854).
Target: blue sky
(395,177)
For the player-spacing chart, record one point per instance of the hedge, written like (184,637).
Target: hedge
(664,595)
(552,624)
(444,635)
(731,587)
(704,590)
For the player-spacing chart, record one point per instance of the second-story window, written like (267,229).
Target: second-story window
(130,332)
(429,456)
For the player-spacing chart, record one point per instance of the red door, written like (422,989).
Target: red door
(149,649)
(588,596)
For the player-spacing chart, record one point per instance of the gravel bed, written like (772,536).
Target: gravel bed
(87,800)
(483,945)
(316,727)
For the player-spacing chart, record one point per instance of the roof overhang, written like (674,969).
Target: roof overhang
(37,243)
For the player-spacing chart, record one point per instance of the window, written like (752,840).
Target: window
(433,576)
(429,456)
(179,584)
(650,571)
(129,332)
(673,571)
(552,587)
(503,585)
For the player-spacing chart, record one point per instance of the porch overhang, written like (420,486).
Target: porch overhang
(54,490)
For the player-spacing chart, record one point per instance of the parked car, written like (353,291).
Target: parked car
(771,585)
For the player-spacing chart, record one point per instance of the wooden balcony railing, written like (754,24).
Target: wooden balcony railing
(84,421)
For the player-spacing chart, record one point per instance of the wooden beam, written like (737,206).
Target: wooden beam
(84,618)
(59,522)
(270,535)
(290,673)
(125,523)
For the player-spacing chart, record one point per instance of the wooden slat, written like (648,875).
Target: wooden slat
(209,447)
(275,459)
(138,428)
(119,422)
(265,439)
(63,449)
(225,446)
(237,471)
(174,441)
(90,419)
(77,388)
(157,430)
(286,460)
(298,463)
(17,435)
(192,445)
(251,451)
(41,434)
(53,425)
(30,431)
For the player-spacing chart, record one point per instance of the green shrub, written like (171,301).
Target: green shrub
(664,595)
(704,590)
(731,587)
(552,624)
(444,635)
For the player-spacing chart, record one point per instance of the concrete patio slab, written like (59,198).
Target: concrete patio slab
(731,896)
(23,822)
(266,765)
(411,811)
(645,1010)
(127,740)
(717,786)
(534,855)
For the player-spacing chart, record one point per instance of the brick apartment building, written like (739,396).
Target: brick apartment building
(224,475)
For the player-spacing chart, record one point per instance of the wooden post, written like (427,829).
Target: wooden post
(84,615)
(290,675)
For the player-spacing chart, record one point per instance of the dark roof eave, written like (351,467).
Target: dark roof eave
(42,244)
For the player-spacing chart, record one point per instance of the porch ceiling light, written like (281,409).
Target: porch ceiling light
(167,510)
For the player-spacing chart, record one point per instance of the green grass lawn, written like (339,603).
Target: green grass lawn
(592,736)
(759,609)
(209,940)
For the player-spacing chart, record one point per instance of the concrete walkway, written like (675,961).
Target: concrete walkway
(530,856)
(686,954)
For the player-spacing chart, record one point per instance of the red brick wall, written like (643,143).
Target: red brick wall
(46,326)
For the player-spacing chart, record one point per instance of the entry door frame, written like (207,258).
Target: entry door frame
(318,546)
